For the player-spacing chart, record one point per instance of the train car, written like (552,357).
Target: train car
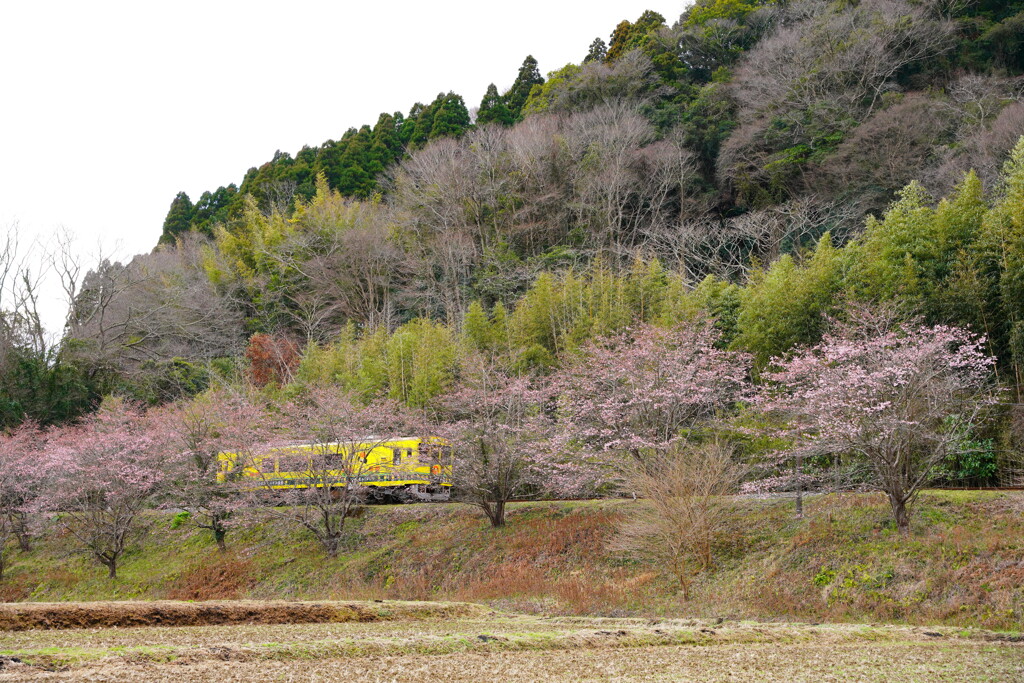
(404,469)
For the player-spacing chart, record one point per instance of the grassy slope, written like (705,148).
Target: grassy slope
(963,565)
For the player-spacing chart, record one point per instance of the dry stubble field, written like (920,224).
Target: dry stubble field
(396,641)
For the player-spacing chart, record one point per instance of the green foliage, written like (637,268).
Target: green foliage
(422,362)
(598,51)
(46,389)
(527,78)
(787,304)
(975,463)
(493,109)
(705,11)
(706,121)
(213,208)
(450,117)
(633,35)
(158,382)
(543,96)
(414,364)
(179,218)
(180,519)
(899,255)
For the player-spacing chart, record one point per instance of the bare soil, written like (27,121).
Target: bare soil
(62,615)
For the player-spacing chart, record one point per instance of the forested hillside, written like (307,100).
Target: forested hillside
(771,247)
(762,164)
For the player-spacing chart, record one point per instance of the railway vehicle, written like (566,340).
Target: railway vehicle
(392,470)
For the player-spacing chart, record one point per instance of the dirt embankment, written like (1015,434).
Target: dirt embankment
(57,615)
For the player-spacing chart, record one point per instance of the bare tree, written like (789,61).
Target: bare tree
(156,307)
(684,507)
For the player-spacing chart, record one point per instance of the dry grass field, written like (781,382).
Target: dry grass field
(395,641)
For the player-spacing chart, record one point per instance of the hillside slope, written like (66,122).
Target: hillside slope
(963,565)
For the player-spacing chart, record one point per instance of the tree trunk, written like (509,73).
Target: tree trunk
(684,582)
(24,542)
(495,511)
(798,466)
(331,541)
(498,516)
(219,533)
(20,528)
(111,569)
(901,514)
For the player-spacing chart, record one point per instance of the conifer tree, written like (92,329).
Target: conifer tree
(493,109)
(529,76)
(179,218)
(451,118)
(597,53)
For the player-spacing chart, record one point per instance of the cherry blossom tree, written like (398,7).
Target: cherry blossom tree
(332,430)
(19,485)
(501,428)
(101,476)
(900,399)
(218,422)
(638,393)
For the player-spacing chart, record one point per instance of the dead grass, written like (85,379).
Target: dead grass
(227,577)
(769,663)
(75,615)
(435,643)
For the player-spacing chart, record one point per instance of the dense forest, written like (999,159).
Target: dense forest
(764,165)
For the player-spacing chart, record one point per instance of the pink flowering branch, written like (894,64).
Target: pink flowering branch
(898,401)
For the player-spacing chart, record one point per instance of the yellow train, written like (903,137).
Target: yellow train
(405,469)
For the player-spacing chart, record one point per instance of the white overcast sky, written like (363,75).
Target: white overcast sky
(110,108)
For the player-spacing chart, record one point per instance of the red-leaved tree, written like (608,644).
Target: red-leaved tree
(899,400)
(272,360)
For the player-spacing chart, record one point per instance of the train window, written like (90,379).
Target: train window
(397,454)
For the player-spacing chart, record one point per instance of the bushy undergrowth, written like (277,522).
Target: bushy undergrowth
(845,561)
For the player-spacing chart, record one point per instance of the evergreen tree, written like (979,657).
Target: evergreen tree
(422,118)
(214,208)
(179,218)
(529,76)
(493,109)
(387,138)
(451,118)
(630,36)
(598,52)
